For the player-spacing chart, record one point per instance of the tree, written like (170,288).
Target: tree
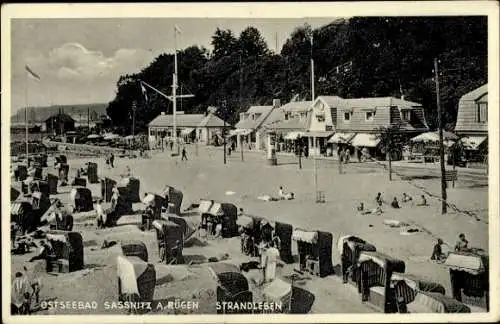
(391,142)
(251,43)
(224,42)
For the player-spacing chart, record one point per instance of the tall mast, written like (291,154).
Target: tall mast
(174,89)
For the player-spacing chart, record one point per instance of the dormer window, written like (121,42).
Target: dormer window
(369,115)
(406,115)
(347,116)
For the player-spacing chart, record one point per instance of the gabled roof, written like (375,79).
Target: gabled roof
(182,120)
(476,93)
(291,124)
(212,121)
(246,124)
(259,110)
(297,106)
(378,102)
(331,101)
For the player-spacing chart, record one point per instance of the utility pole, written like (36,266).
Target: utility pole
(224,129)
(241,86)
(441,145)
(312,68)
(134,107)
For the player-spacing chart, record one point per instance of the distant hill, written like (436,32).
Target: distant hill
(77,112)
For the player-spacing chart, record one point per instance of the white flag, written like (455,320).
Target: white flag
(144,93)
(177,29)
(31,73)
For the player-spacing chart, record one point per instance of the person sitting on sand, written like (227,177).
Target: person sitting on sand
(395,203)
(45,252)
(462,243)
(361,207)
(406,198)
(289,196)
(240,212)
(423,201)
(437,252)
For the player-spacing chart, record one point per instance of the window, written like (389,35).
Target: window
(406,115)
(369,115)
(347,116)
(286,116)
(320,117)
(482,112)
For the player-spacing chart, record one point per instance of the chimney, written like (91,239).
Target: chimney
(276,103)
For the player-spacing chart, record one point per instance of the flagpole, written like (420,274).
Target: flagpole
(26,117)
(174,90)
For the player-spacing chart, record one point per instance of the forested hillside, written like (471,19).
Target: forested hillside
(359,57)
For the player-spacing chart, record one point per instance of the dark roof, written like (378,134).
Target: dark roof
(181,120)
(61,117)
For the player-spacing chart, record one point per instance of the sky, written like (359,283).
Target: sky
(79,60)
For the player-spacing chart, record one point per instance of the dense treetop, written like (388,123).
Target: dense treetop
(359,57)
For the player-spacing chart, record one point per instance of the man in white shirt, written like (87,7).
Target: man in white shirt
(101,215)
(281,193)
(19,291)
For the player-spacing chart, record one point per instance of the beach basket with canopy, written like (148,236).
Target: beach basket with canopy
(21,213)
(169,237)
(284,232)
(68,251)
(407,286)
(350,247)
(82,199)
(469,275)
(374,279)
(133,186)
(232,285)
(135,248)
(136,279)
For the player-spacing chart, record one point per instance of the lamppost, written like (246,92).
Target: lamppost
(224,114)
(299,139)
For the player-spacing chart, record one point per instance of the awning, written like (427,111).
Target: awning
(303,236)
(341,138)
(365,140)
(187,131)
(434,137)
(467,262)
(292,135)
(473,142)
(317,134)
(56,237)
(244,221)
(240,131)
(205,206)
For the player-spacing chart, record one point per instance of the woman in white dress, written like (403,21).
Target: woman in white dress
(272,255)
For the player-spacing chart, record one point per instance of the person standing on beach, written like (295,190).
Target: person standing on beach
(112,160)
(184,154)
